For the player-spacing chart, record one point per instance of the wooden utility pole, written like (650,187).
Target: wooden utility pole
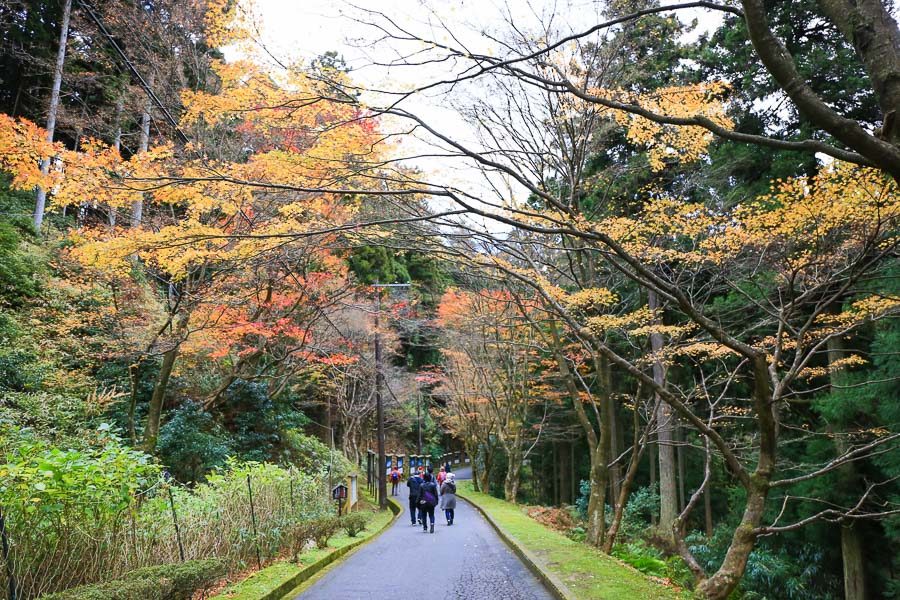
(379,401)
(379,405)
(419,423)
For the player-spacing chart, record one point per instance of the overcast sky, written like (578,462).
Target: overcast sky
(292,30)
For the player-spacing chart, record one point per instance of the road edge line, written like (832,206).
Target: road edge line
(287,588)
(534,564)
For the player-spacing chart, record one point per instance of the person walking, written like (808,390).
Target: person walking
(428,499)
(395,481)
(448,497)
(441,476)
(414,484)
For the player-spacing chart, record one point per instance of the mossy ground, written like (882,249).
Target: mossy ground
(588,573)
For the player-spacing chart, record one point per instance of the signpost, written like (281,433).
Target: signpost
(339,494)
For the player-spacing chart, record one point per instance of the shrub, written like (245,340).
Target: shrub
(298,536)
(190,443)
(577,534)
(354,523)
(642,557)
(323,529)
(136,589)
(185,578)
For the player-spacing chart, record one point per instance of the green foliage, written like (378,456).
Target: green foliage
(20,262)
(177,581)
(190,443)
(137,589)
(256,421)
(577,534)
(186,578)
(354,523)
(47,483)
(797,574)
(645,559)
(309,454)
(323,528)
(373,264)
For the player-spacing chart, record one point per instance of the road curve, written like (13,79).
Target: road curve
(464,562)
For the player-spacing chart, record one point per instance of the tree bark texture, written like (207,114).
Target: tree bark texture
(40,203)
(665,421)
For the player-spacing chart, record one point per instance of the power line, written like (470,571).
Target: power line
(150,93)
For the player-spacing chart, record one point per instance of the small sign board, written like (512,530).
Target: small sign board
(339,492)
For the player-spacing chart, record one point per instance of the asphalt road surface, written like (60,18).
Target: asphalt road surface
(466,562)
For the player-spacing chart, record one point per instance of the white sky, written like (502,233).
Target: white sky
(293,30)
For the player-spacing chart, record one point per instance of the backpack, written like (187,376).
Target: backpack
(428,497)
(395,476)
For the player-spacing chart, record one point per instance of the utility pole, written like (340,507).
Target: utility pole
(379,384)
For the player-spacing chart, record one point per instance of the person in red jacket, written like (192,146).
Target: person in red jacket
(441,476)
(395,480)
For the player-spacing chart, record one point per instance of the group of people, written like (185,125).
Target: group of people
(426,491)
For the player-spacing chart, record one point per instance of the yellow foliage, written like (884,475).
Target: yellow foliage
(591,299)
(686,143)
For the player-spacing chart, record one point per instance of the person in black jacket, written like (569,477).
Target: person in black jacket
(428,499)
(414,483)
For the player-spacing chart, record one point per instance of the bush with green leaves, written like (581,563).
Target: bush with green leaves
(354,523)
(190,443)
(796,573)
(76,517)
(324,529)
(138,589)
(309,454)
(67,507)
(642,557)
(186,578)
(179,581)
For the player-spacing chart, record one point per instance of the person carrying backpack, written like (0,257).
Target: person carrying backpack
(428,499)
(448,497)
(414,484)
(395,481)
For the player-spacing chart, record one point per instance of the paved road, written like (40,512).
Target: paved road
(464,562)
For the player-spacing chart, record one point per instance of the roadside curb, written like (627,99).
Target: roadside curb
(534,564)
(305,574)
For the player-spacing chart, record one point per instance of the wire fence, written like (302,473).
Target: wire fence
(244,517)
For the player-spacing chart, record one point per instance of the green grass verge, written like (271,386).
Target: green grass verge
(263,583)
(587,573)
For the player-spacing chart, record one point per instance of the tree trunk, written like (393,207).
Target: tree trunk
(723,582)
(652,456)
(40,203)
(511,482)
(137,207)
(596,513)
(854,562)
(555,476)
(668,487)
(117,144)
(573,479)
(615,448)
(679,458)
(637,449)
(870,28)
(486,473)
(472,453)
(851,542)
(157,400)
